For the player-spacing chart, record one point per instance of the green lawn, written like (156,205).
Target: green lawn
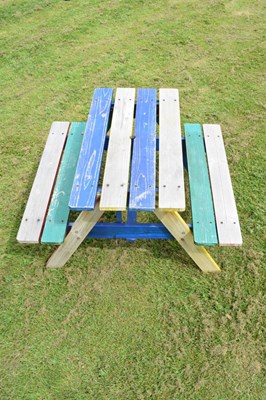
(132,320)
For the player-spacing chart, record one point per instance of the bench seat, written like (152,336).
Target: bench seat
(58,212)
(214,213)
(34,216)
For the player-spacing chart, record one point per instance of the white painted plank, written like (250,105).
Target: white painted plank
(171,172)
(38,201)
(228,228)
(116,173)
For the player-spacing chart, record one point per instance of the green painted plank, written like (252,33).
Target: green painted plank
(204,225)
(57,217)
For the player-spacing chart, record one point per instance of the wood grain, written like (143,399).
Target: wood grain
(143,168)
(171,173)
(57,217)
(38,201)
(228,227)
(85,185)
(204,224)
(116,173)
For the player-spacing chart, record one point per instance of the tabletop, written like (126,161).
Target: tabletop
(130,166)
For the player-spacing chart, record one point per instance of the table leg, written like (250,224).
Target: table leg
(80,229)
(181,232)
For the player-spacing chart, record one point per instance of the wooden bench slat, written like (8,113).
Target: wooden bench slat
(171,172)
(38,201)
(116,173)
(204,226)
(143,166)
(228,227)
(57,217)
(85,185)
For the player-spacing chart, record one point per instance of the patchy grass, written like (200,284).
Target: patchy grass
(132,320)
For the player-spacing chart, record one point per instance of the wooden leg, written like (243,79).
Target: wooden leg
(181,232)
(80,229)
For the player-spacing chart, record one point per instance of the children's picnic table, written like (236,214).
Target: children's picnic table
(68,178)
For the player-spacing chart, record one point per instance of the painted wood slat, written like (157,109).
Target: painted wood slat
(228,227)
(143,168)
(204,226)
(85,185)
(57,217)
(38,201)
(171,172)
(116,173)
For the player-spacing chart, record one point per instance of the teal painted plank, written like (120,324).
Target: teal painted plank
(204,225)
(57,217)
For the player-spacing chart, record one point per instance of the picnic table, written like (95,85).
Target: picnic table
(109,163)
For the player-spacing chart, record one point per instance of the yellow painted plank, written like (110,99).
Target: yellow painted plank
(182,233)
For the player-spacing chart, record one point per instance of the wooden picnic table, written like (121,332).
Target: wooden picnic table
(68,178)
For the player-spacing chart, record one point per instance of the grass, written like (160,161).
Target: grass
(132,320)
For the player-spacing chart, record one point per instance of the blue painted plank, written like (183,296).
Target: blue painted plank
(142,183)
(204,226)
(131,217)
(108,230)
(57,217)
(86,179)
(128,231)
